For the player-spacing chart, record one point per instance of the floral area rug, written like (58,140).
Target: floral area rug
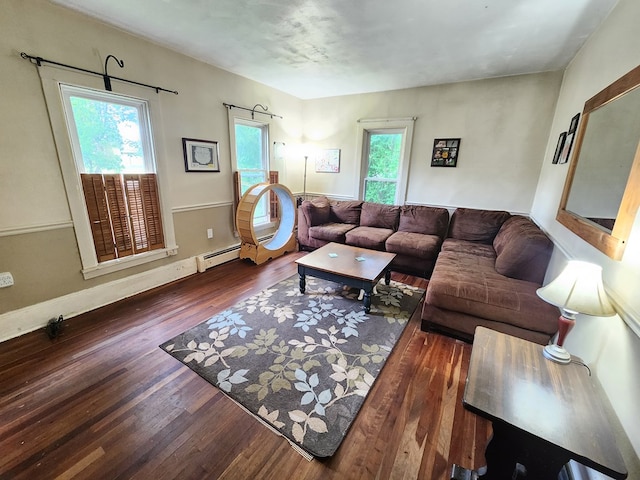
(303,363)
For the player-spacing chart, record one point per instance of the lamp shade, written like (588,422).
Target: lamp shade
(578,289)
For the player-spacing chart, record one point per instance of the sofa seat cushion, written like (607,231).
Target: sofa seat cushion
(471,248)
(379,215)
(413,244)
(469,284)
(331,232)
(523,250)
(476,225)
(368,237)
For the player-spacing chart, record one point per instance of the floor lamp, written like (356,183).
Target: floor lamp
(304,184)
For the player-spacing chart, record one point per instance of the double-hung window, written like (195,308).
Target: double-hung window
(383,166)
(385,154)
(252,161)
(112,148)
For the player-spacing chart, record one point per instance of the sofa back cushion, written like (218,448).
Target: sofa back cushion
(379,215)
(523,250)
(476,225)
(423,219)
(316,211)
(346,211)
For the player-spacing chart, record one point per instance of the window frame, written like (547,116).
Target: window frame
(244,118)
(51,80)
(366,127)
(365,158)
(141,105)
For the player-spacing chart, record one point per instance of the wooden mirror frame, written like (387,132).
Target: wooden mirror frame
(611,244)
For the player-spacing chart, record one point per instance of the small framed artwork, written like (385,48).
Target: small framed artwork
(445,152)
(568,143)
(328,161)
(559,147)
(200,155)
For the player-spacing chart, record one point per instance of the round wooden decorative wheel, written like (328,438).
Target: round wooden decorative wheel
(283,240)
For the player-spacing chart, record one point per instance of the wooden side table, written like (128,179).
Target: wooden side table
(543,413)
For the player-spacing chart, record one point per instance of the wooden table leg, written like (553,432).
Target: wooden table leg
(303,280)
(502,453)
(387,277)
(367,299)
(512,453)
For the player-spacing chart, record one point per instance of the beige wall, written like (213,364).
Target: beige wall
(37,241)
(608,344)
(503,124)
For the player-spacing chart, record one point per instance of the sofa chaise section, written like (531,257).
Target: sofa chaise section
(487,274)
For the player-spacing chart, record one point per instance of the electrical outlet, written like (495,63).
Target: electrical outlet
(209,232)
(6,279)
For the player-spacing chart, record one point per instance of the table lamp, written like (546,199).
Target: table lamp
(578,289)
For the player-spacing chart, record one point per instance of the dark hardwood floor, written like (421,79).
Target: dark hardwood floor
(103,401)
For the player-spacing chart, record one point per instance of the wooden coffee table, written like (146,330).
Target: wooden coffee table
(353,266)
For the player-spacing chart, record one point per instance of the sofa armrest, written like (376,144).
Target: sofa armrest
(303,228)
(523,250)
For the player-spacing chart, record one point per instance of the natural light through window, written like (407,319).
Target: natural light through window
(111,141)
(383,167)
(252,158)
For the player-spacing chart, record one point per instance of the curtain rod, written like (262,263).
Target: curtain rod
(252,110)
(107,78)
(387,120)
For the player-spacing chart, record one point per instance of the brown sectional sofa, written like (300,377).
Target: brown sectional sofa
(487,273)
(484,265)
(413,232)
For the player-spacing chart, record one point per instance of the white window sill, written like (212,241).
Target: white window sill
(261,227)
(118,264)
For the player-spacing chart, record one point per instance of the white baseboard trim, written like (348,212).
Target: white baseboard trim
(33,317)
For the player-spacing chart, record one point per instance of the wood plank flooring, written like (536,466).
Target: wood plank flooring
(104,402)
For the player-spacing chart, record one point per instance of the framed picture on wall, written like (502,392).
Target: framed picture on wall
(200,155)
(328,161)
(559,147)
(445,152)
(568,143)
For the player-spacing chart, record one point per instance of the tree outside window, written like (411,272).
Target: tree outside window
(381,180)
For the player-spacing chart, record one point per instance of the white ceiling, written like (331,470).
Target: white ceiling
(320,48)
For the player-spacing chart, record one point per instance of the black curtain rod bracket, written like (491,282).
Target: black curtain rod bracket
(106,77)
(107,80)
(253,110)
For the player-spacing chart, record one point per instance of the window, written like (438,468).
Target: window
(385,154)
(112,148)
(383,167)
(252,161)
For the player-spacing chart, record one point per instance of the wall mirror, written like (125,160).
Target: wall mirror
(602,191)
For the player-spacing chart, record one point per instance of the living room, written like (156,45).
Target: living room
(509,129)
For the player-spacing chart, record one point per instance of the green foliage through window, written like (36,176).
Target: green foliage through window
(381,180)
(252,164)
(109,136)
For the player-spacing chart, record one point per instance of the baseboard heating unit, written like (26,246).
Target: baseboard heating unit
(211,259)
